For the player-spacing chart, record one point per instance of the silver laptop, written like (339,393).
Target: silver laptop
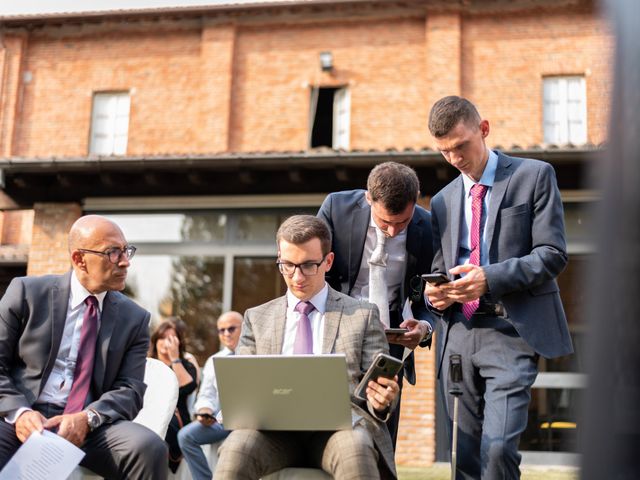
(282,392)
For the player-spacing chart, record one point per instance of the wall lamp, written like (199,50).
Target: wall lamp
(326,61)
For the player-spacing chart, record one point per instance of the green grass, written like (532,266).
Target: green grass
(443,472)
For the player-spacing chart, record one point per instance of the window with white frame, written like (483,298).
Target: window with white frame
(565,110)
(330,117)
(109,123)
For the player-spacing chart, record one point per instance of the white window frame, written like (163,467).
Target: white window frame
(110,123)
(341,119)
(564,110)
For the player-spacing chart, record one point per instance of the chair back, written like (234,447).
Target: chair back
(160,398)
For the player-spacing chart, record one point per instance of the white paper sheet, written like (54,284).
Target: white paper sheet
(44,456)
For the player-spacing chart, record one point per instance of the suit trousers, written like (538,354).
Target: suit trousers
(251,454)
(498,369)
(121,450)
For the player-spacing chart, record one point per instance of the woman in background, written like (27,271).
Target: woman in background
(167,345)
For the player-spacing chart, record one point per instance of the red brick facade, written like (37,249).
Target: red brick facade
(241,83)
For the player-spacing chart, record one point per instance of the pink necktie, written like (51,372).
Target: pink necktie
(304,336)
(477,195)
(86,354)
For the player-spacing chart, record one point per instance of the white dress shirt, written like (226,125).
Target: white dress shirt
(208,394)
(319,301)
(58,386)
(396,248)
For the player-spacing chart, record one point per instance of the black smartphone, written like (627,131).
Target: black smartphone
(435,278)
(383,366)
(396,331)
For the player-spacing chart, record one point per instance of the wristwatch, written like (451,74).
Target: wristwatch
(93,419)
(425,341)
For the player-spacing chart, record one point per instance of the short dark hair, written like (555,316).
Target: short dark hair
(300,229)
(394,185)
(447,112)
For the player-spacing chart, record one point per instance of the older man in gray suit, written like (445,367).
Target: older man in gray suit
(498,229)
(331,323)
(72,358)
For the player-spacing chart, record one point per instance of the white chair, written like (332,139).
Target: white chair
(159,404)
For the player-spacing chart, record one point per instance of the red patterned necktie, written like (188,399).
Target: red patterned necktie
(304,336)
(86,354)
(477,195)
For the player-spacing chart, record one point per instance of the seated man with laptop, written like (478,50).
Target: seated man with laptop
(314,319)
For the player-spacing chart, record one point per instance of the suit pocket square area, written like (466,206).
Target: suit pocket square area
(523,208)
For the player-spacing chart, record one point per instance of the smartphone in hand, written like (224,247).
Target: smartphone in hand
(396,331)
(435,278)
(383,366)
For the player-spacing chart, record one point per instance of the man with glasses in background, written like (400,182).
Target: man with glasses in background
(72,358)
(386,219)
(209,427)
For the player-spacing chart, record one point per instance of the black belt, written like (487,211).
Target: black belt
(485,308)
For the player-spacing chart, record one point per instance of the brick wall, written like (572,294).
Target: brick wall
(17,226)
(206,87)
(51,224)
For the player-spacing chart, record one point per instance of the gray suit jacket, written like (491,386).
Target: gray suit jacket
(351,327)
(32,316)
(348,215)
(527,251)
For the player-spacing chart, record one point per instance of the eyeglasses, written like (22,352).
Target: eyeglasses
(228,329)
(114,254)
(307,268)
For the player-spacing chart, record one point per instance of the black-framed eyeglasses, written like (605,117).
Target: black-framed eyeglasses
(114,254)
(307,268)
(228,329)
(417,288)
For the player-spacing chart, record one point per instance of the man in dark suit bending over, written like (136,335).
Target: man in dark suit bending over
(360,220)
(72,358)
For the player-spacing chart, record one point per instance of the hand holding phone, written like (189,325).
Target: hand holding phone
(396,331)
(435,278)
(383,366)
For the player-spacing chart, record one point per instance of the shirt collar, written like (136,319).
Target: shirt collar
(319,300)
(488,176)
(79,293)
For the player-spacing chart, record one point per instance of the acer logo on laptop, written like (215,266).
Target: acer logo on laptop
(282,391)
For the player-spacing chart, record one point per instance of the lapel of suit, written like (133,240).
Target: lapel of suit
(278,319)
(503,175)
(357,237)
(457,215)
(108,319)
(59,302)
(332,316)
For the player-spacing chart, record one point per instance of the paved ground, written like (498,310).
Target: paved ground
(441,471)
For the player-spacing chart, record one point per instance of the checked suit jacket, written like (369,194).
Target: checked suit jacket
(351,328)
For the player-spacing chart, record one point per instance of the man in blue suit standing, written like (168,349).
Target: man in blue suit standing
(387,208)
(498,233)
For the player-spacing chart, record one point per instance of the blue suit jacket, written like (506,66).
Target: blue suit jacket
(348,215)
(32,316)
(526,244)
